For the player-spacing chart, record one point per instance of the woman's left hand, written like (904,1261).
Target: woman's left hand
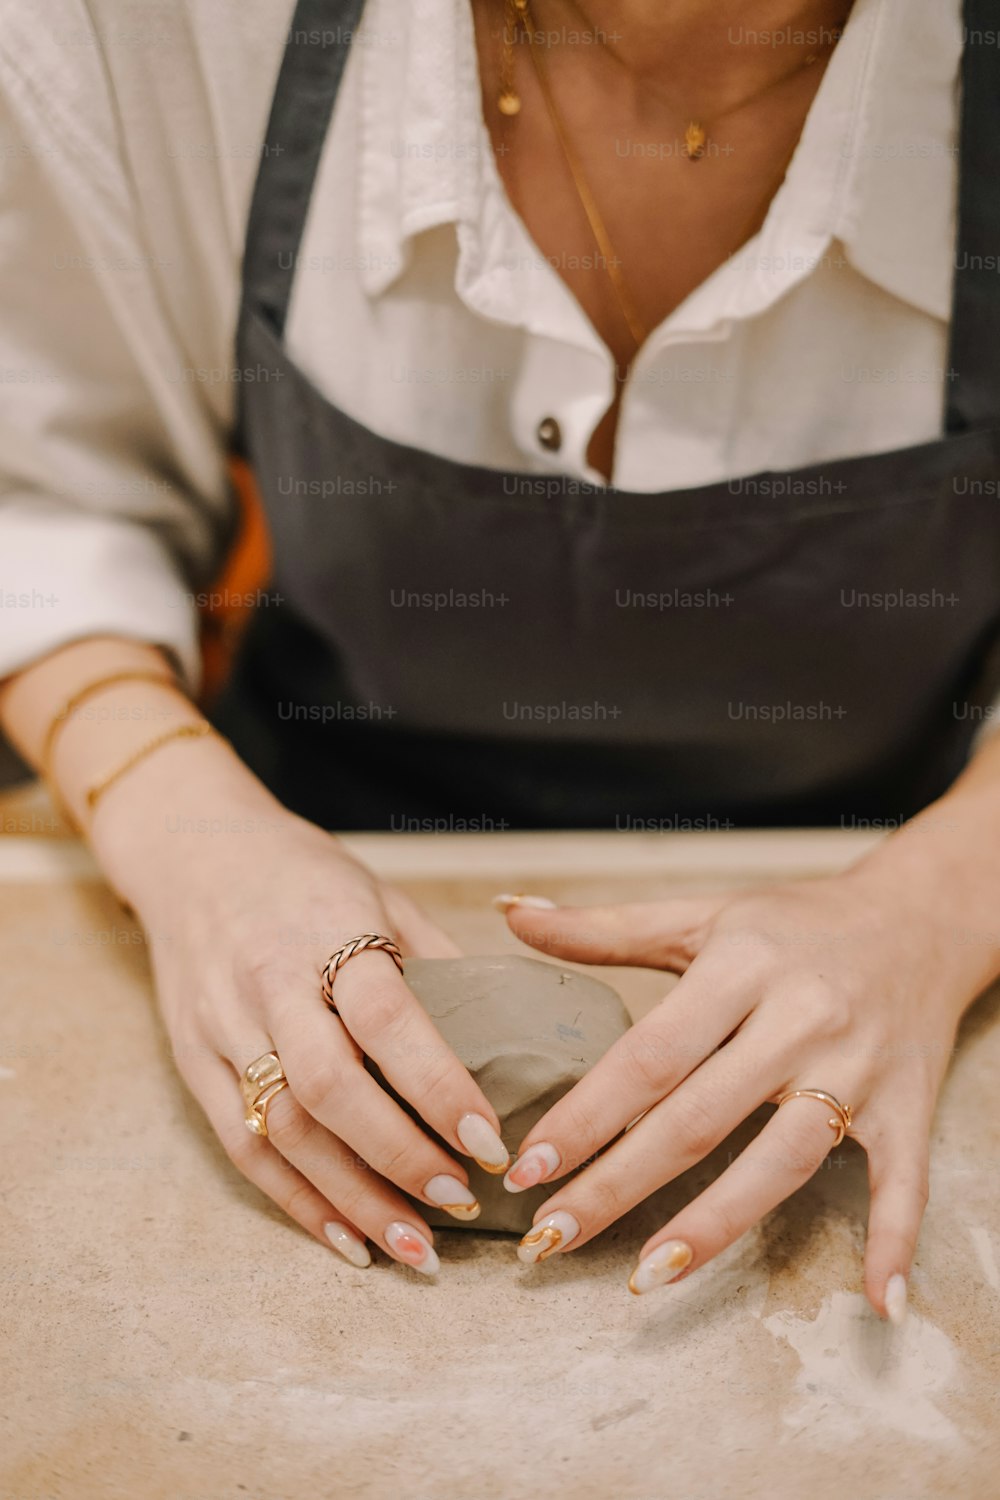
(848,984)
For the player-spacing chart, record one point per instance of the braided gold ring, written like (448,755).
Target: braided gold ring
(839,1123)
(372,940)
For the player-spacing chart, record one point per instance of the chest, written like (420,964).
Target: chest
(605,184)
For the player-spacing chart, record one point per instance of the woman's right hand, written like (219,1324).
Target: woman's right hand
(242,907)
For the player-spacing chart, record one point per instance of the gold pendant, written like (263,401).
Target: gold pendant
(694,141)
(515,16)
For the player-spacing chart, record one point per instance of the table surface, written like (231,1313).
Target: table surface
(168,1334)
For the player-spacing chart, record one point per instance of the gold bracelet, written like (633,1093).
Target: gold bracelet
(180,731)
(131,674)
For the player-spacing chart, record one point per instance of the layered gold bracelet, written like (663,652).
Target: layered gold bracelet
(96,790)
(180,731)
(80,695)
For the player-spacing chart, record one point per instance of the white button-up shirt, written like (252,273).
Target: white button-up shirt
(129,144)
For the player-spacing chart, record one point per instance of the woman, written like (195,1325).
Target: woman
(528,292)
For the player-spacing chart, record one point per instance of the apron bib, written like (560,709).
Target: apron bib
(693,658)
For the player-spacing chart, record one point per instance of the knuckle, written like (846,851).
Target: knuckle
(695,1126)
(321,1081)
(915,1182)
(438,1075)
(288,1126)
(607,1202)
(380,1007)
(262,969)
(398,1162)
(243,1149)
(821,1009)
(648,1054)
(721,1224)
(430,1072)
(299,1202)
(576,1129)
(359,1204)
(814,1011)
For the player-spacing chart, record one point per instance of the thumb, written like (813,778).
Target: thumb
(655,934)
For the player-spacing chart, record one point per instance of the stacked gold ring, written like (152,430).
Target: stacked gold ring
(840,1122)
(264,1078)
(367,940)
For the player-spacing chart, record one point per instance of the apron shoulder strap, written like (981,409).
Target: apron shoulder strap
(316,49)
(974,394)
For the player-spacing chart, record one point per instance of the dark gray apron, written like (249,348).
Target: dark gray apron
(566,706)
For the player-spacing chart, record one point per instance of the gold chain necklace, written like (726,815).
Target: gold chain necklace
(696,137)
(518,15)
(612,262)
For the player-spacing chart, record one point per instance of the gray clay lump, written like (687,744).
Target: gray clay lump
(527,1031)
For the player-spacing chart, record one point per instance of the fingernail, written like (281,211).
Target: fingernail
(453,1196)
(895,1299)
(348,1244)
(504,902)
(660,1266)
(482,1142)
(412,1248)
(537,1163)
(547,1236)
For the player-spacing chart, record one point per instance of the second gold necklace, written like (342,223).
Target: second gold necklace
(518,15)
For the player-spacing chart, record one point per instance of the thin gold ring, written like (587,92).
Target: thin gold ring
(259,1083)
(840,1123)
(372,940)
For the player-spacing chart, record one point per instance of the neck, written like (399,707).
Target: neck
(665,37)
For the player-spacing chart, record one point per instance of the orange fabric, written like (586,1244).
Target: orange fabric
(229,602)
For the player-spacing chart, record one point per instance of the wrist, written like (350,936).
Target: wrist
(152,829)
(940,874)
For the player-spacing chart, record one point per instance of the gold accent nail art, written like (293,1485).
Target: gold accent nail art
(490,1167)
(679,1257)
(548,1233)
(462,1210)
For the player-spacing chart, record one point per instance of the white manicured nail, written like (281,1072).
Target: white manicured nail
(660,1266)
(453,1196)
(535,1166)
(482,1142)
(412,1248)
(348,1244)
(504,902)
(895,1299)
(548,1235)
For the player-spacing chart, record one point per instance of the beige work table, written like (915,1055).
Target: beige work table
(168,1334)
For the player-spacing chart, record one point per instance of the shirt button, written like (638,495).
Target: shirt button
(549,434)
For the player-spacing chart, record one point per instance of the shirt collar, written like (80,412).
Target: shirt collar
(896,212)
(421,139)
(875,169)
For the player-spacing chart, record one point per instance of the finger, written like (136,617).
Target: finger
(211,1082)
(391,1027)
(418,934)
(326,1071)
(365,1198)
(676,1134)
(651,1060)
(658,934)
(787,1152)
(898,1173)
